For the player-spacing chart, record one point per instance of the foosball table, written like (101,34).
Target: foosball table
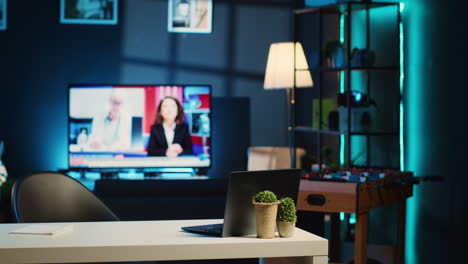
(357,191)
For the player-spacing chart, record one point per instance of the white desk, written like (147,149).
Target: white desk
(152,241)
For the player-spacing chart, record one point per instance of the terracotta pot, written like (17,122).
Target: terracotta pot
(286,229)
(266,219)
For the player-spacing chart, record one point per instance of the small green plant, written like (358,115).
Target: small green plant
(286,210)
(265,197)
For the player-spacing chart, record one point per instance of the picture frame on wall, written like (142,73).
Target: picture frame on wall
(190,16)
(101,12)
(3,14)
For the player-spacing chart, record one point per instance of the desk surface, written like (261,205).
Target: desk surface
(148,240)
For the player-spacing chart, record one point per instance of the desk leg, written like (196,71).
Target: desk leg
(295,260)
(360,238)
(400,254)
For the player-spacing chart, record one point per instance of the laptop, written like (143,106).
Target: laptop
(239,212)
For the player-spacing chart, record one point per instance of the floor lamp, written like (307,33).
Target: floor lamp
(287,68)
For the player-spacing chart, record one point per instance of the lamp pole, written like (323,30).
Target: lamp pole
(292,114)
(278,76)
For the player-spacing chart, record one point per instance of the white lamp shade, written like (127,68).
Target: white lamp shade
(280,67)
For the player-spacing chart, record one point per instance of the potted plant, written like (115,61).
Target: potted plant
(266,207)
(287,217)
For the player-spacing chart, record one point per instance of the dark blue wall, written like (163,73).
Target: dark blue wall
(39,57)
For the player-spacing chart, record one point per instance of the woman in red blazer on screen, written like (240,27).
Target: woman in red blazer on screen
(170,135)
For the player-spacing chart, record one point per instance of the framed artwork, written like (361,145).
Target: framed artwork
(102,12)
(3,14)
(190,16)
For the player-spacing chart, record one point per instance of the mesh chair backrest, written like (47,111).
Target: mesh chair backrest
(56,197)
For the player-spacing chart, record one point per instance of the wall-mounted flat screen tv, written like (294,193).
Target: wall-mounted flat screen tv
(139,126)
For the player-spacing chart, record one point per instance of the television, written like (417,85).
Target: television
(129,126)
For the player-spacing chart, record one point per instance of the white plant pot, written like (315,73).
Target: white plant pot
(266,219)
(286,229)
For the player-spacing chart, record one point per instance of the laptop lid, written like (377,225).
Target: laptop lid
(239,213)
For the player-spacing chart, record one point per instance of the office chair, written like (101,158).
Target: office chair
(56,197)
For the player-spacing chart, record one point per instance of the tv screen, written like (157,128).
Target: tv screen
(147,126)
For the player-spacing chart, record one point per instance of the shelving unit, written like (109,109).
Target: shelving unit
(342,7)
(346,13)
(382,68)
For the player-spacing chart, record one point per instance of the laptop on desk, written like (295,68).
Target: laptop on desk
(239,212)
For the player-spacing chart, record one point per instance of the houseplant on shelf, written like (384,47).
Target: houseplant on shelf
(266,208)
(287,217)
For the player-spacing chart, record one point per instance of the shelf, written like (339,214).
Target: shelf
(335,132)
(376,133)
(344,15)
(320,131)
(376,68)
(341,7)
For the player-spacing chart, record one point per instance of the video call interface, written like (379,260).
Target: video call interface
(139,126)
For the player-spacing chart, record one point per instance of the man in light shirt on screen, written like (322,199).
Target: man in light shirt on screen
(111,131)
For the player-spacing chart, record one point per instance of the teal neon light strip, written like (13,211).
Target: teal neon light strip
(352,219)
(341,216)
(411,97)
(341,28)
(402,78)
(342,149)
(342,79)
(342,89)
(342,39)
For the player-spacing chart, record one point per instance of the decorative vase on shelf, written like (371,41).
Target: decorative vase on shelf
(334,53)
(338,58)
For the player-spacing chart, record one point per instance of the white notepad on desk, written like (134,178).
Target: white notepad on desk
(43,229)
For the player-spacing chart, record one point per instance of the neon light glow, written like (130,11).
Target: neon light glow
(342,39)
(341,28)
(342,150)
(342,89)
(402,78)
(415,137)
(358,96)
(352,219)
